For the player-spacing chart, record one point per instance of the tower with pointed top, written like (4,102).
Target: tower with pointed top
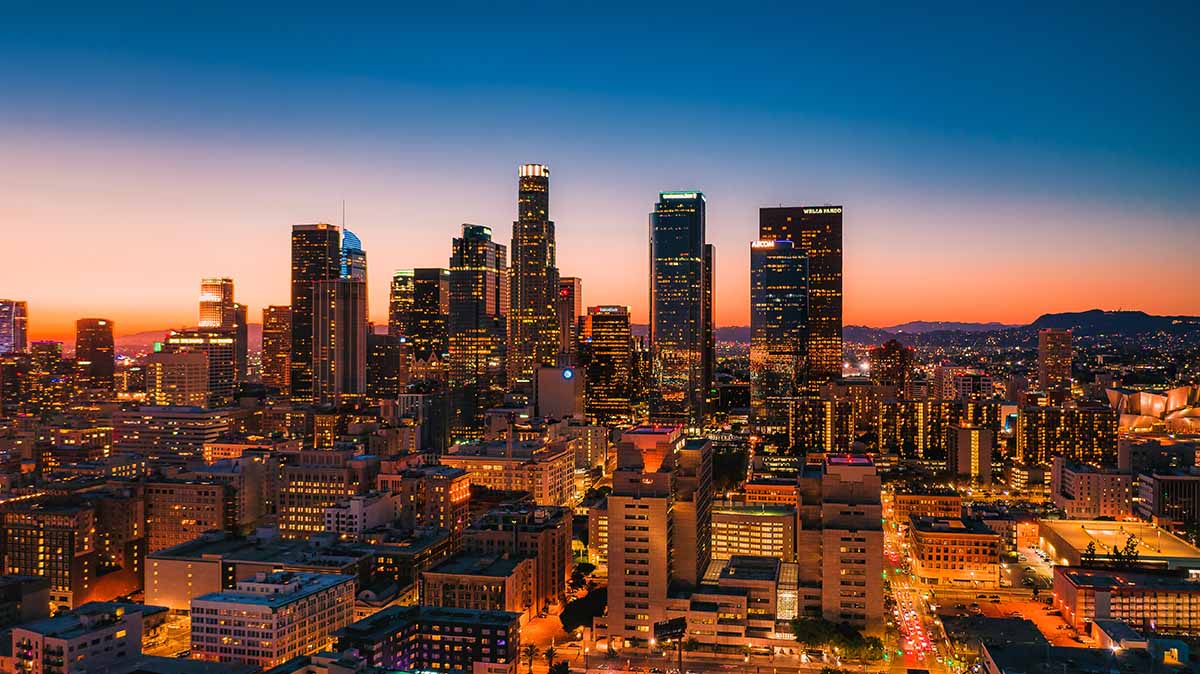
(533,321)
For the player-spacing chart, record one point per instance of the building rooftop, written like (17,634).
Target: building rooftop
(747,567)
(391,619)
(977,629)
(497,566)
(233,548)
(1154,543)
(1057,659)
(293,587)
(1111,579)
(953,525)
(754,509)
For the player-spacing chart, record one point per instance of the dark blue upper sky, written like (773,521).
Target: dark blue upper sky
(1081,109)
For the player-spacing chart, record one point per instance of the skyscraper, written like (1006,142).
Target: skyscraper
(778,329)
(94,353)
(276,346)
(570,306)
(417,310)
(316,256)
(1054,362)
(177,379)
(339,341)
(817,230)
(533,322)
(241,342)
(477,329)
(216,303)
(605,348)
(354,258)
(14,317)
(679,316)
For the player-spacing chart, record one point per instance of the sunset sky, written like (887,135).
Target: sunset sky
(992,167)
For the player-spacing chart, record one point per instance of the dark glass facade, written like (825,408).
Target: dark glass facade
(680,316)
(94,353)
(477,330)
(817,230)
(778,326)
(605,347)
(316,256)
(418,307)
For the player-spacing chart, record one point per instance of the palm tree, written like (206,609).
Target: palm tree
(549,653)
(530,652)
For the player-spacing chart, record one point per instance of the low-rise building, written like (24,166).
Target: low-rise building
(543,533)
(1166,602)
(545,470)
(1066,542)
(484,583)
(349,518)
(271,618)
(930,502)
(431,638)
(1169,498)
(958,551)
(88,639)
(1086,492)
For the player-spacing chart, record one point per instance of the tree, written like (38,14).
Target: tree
(1130,553)
(814,632)
(691,644)
(549,653)
(560,667)
(580,612)
(1089,554)
(530,652)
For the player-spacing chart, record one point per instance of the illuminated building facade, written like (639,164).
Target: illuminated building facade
(569,305)
(94,353)
(14,326)
(1054,363)
(321,478)
(533,320)
(1085,435)
(892,364)
(778,328)
(290,614)
(387,367)
(477,329)
(418,306)
(220,348)
(178,511)
(216,303)
(605,348)
(178,379)
(277,347)
(354,258)
(818,232)
(955,552)
(679,315)
(339,359)
(432,638)
(969,452)
(316,256)
(1085,492)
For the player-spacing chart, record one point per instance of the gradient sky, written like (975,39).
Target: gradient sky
(992,166)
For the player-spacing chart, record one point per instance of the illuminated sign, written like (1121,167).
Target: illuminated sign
(678,195)
(763,244)
(568,374)
(827,210)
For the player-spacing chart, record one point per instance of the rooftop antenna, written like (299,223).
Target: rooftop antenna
(343,214)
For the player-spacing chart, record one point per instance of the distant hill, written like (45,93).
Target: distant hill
(921,327)
(1099,322)
(144,341)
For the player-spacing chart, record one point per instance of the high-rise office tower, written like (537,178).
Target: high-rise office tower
(679,316)
(477,329)
(94,353)
(14,324)
(606,349)
(817,230)
(216,303)
(339,341)
(316,256)
(570,306)
(710,331)
(276,346)
(1054,361)
(220,345)
(892,364)
(354,258)
(778,328)
(417,310)
(241,342)
(533,321)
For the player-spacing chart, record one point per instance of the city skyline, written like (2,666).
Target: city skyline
(963,178)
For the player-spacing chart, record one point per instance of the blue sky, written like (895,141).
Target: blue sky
(1009,134)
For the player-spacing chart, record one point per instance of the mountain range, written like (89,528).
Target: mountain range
(1085,323)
